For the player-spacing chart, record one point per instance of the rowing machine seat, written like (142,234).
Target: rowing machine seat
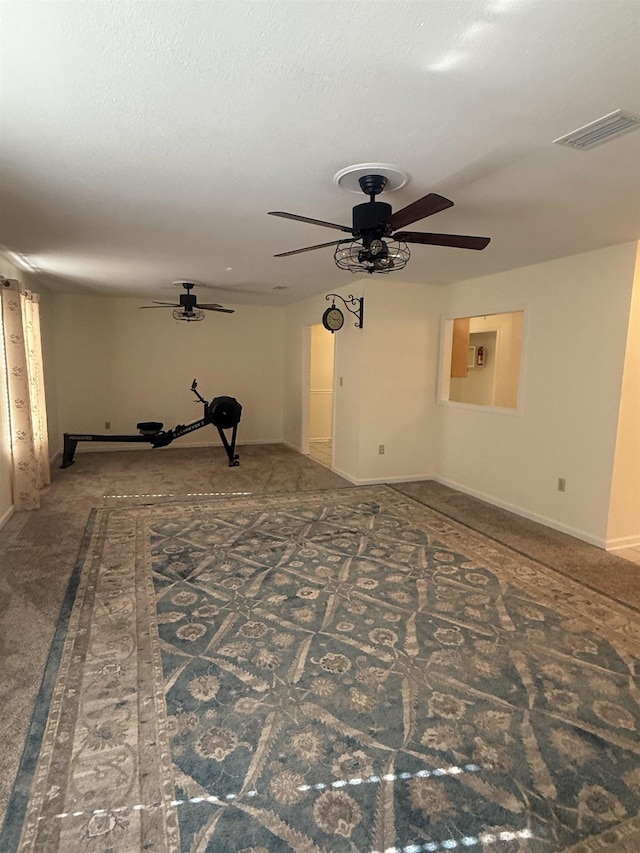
(149,427)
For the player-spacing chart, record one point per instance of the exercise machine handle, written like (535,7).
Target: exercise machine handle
(194,387)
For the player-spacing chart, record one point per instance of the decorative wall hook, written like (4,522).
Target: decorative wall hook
(333,311)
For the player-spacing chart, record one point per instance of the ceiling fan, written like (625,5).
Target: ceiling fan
(188,308)
(377,242)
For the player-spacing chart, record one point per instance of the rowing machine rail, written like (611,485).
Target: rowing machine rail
(222,412)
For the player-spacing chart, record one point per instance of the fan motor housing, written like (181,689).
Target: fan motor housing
(373,217)
(188,301)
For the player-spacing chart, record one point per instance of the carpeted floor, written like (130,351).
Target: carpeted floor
(38,553)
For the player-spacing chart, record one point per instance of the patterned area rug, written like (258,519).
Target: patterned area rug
(335,671)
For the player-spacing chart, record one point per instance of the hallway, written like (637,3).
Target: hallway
(320,451)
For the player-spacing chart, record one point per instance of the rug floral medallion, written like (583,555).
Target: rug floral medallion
(333,671)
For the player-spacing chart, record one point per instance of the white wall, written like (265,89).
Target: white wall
(398,383)
(385,380)
(321,384)
(116,363)
(105,360)
(576,318)
(624,509)
(299,318)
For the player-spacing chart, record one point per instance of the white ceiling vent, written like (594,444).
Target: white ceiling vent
(601,130)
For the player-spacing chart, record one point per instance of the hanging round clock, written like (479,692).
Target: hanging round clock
(333,319)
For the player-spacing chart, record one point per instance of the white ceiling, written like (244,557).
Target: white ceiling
(145,142)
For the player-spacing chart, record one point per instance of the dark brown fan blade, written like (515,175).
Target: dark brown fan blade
(457,241)
(208,305)
(425,206)
(161,305)
(217,308)
(311,221)
(310,248)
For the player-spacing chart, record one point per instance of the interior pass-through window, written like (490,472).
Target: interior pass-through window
(486,352)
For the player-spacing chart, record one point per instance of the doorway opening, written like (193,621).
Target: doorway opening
(320,420)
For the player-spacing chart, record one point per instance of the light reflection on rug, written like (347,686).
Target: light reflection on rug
(336,671)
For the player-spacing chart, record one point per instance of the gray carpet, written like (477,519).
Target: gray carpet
(39,550)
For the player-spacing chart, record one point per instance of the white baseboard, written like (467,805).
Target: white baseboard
(6,516)
(106,447)
(610,545)
(623,542)
(291,446)
(380,481)
(532,516)
(345,476)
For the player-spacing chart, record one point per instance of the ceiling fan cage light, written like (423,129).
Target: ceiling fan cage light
(399,252)
(357,258)
(188,316)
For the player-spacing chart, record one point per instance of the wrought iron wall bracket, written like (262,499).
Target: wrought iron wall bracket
(358,312)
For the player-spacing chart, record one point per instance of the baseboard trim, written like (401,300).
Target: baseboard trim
(379,481)
(623,542)
(345,476)
(532,516)
(517,510)
(291,446)
(105,447)
(7,515)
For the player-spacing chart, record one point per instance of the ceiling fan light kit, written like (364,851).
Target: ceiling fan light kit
(378,245)
(381,256)
(186,315)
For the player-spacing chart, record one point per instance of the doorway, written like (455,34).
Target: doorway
(321,361)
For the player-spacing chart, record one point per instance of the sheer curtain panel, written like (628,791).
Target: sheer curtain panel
(25,391)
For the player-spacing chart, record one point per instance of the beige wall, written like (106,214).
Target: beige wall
(299,319)
(385,381)
(116,363)
(105,360)
(398,383)
(321,384)
(576,318)
(566,423)
(624,509)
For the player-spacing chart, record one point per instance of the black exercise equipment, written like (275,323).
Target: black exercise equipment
(222,412)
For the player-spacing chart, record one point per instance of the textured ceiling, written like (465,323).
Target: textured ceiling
(145,142)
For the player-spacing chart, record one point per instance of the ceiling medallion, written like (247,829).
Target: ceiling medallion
(349,177)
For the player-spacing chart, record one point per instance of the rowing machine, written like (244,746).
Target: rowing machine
(222,412)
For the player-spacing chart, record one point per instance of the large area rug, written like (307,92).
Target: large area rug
(331,671)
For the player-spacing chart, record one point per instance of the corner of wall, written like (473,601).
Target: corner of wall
(623,528)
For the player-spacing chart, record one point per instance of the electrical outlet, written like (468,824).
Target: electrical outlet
(562,484)
(341,381)
(381,449)
(107,424)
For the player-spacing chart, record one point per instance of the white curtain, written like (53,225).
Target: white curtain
(25,391)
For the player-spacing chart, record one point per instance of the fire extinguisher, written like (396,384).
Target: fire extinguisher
(480,357)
